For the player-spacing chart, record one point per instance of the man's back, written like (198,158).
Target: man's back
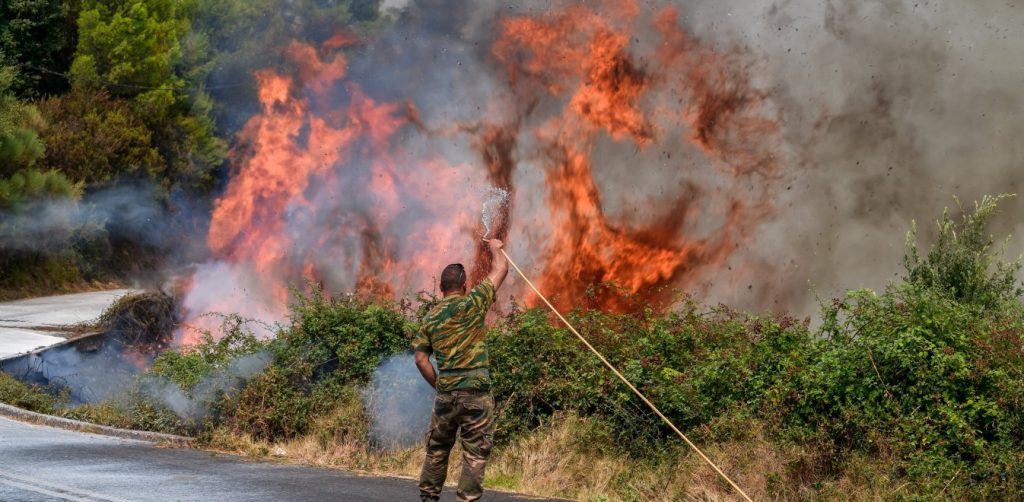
(454,331)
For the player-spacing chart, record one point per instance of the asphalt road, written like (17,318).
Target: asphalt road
(40,463)
(37,322)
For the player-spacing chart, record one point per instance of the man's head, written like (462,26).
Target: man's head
(453,279)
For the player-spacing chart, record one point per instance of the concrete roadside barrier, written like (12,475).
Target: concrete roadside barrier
(16,413)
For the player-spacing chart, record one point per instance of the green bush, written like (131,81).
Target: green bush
(694,365)
(148,46)
(132,409)
(963,263)
(331,344)
(187,367)
(927,373)
(91,137)
(22,395)
(19,123)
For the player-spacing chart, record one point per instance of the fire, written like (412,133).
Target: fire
(326,184)
(581,56)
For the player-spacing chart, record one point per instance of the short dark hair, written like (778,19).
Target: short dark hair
(453,277)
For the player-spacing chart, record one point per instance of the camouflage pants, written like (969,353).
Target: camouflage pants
(470,414)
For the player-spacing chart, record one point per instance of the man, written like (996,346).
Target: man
(454,332)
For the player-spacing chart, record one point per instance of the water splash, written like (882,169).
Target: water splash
(495,204)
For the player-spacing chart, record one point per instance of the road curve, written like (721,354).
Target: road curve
(39,463)
(37,322)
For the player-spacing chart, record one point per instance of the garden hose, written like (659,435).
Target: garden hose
(624,380)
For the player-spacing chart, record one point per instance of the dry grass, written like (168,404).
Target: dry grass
(560,460)
(554,461)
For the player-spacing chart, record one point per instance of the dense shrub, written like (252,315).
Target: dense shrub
(40,33)
(153,70)
(913,375)
(331,343)
(963,263)
(695,365)
(188,366)
(134,408)
(91,137)
(22,395)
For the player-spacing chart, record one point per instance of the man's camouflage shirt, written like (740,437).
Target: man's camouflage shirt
(455,333)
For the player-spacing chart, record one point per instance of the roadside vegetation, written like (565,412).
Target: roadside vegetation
(915,392)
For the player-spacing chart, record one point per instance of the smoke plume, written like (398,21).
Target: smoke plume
(755,154)
(888,109)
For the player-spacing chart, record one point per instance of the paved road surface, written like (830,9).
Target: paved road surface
(50,311)
(40,463)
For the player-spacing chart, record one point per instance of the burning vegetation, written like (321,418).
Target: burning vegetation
(336,186)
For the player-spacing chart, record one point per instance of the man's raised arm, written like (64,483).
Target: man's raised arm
(499,264)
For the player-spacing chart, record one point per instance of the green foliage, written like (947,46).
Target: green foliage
(962,262)
(133,409)
(22,188)
(147,50)
(19,143)
(32,185)
(697,365)
(20,148)
(920,377)
(189,366)
(331,344)
(22,395)
(40,33)
(926,374)
(155,29)
(91,137)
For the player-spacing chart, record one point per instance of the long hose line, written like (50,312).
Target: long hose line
(625,381)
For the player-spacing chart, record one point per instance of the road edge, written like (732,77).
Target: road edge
(13,412)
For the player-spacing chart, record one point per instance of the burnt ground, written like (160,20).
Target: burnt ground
(45,464)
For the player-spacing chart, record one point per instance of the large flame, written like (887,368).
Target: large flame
(326,188)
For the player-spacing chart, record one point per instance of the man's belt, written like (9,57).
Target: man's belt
(471,372)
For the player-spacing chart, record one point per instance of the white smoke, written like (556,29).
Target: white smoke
(399,402)
(195,403)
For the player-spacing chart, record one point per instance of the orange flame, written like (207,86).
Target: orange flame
(580,78)
(581,55)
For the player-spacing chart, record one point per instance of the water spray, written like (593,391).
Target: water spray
(495,204)
(489,213)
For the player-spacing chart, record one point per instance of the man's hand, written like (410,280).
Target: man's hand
(499,264)
(426,369)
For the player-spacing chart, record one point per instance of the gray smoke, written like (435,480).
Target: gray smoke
(165,224)
(195,403)
(86,375)
(889,108)
(95,376)
(399,402)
